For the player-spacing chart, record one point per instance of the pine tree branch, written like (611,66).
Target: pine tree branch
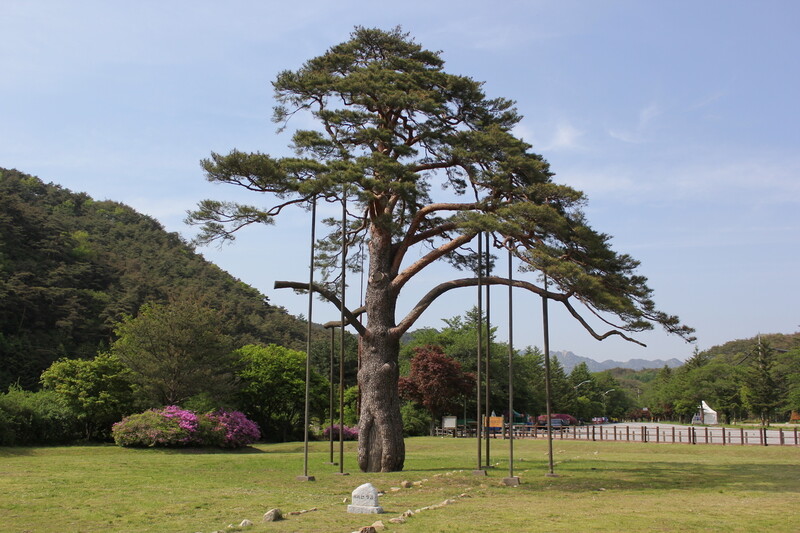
(350,316)
(442,288)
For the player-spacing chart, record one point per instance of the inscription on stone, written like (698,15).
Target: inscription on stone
(365,500)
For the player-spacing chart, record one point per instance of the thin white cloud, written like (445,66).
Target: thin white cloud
(760,181)
(638,133)
(707,101)
(617,182)
(566,137)
(493,37)
(563,136)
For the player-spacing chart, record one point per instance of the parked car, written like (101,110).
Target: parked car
(556,424)
(567,420)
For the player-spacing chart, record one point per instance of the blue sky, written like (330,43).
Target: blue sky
(678,119)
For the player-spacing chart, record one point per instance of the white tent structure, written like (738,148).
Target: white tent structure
(705,415)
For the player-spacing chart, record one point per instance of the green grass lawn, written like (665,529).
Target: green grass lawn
(601,487)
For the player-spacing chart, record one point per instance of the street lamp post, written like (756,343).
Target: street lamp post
(582,383)
(605,404)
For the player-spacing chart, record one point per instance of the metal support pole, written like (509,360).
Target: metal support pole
(546,328)
(341,337)
(478,420)
(511,479)
(305,476)
(487,395)
(330,396)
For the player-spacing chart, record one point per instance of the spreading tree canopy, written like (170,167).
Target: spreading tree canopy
(176,351)
(426,161)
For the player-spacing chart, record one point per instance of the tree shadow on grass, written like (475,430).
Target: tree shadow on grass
(671,476)
(15,452)
(443,469)
(205,451)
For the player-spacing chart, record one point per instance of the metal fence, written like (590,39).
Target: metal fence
(654,434)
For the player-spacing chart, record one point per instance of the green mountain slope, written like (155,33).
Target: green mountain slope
(70,267)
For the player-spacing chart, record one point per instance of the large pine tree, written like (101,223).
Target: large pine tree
(394,129)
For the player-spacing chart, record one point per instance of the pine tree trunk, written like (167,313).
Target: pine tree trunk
(380,440)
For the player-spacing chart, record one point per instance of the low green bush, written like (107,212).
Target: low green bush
(36,418)
(416,420)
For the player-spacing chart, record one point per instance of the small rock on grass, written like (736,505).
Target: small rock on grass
(273,515)
(406,484)
(378,525)
(398,520)
(245,523)
(367,529)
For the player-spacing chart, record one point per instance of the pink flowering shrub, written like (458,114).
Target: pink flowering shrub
(173,426)
(238,430)
(347,433)
(152,428)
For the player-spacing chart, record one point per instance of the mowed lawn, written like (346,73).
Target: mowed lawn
(601,486)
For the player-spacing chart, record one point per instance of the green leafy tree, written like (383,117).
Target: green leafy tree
(658,397)
(529,391)
(176,351)
(417,420)
(581,378)
(458,339)
(272,389)
(615,401)
(760,392)
(698,359)
(350,404)
(788,366)
(718,384)
(99,391)
(394,130)
(562,393)
(584,387)
(35,418)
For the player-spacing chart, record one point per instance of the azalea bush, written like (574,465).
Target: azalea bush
(173,426)
(347,432)
(236,430)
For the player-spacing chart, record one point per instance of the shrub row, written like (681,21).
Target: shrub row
(35,418)
(173,426)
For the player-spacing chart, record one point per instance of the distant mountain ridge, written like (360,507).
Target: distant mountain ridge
(569,361)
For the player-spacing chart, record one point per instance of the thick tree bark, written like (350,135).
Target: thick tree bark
(380,442)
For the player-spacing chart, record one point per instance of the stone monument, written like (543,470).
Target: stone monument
(365,500)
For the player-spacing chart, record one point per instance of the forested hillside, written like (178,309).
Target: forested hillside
(756,378)
(71,267)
